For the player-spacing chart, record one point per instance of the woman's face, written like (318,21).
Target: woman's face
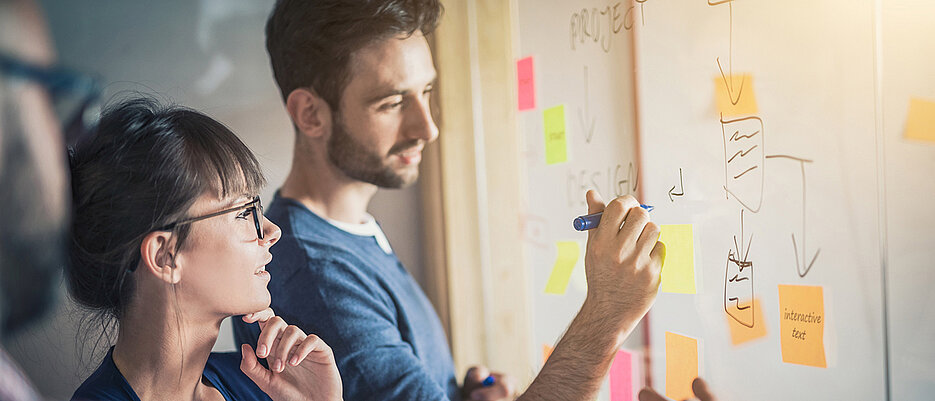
(223,262)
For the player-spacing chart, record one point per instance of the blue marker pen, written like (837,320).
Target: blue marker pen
(489,381)
(589,221)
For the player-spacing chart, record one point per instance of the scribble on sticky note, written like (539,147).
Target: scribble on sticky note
(556,146)
(621,377)
(734,95)
(802,325)
(546,352)
(740,333)
(681,366)
(678,270)
(568,252)
(526,83)
(920,124)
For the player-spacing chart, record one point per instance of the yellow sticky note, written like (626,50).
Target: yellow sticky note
(681,366)
(802,325)
(740,333)
(568,252)
(556,146)
(678,270)
(734,95)
(921,121)
(546,352)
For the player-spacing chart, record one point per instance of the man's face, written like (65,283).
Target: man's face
(384,119)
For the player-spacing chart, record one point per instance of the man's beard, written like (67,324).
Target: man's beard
(357,162)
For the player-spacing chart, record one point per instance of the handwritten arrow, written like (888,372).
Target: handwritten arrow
(681,191)
(587,128)
(729,77)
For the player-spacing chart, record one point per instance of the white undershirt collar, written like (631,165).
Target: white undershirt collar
(369,228)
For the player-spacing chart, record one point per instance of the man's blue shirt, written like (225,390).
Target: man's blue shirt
(387,339)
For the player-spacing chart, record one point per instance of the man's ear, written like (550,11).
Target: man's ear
(310,113)
(157,257)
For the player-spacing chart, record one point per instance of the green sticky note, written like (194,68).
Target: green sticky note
(556,146)
(568,252)
(678,270)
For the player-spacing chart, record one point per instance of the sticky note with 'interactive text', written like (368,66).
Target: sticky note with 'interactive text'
(802,325)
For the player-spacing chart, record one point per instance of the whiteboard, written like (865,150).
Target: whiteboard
(828,197)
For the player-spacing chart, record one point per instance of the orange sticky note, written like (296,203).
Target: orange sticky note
(681,366)
(526,84)
(734,95)
(546,352)
(920,124)
(802,325)
(568,252)
(678,270)
(621,377)
(740,332)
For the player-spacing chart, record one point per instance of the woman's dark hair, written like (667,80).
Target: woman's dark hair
(310,41)
(142,169)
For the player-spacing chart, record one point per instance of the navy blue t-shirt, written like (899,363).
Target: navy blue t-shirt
(345,288)
(222,371)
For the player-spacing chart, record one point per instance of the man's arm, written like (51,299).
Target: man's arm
(622,263)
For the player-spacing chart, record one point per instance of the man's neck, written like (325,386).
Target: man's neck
(326,190)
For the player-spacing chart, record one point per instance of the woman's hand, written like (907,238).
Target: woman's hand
(302,367)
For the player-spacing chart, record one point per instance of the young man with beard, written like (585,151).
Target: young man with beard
(356,76)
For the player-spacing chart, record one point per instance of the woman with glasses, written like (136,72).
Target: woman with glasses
(168,239)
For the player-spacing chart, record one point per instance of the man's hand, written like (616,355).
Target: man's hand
(302,367)
(502,388)
(699,387)
(623,259)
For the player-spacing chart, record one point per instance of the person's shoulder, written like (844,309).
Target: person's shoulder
(223,370)
(106,383)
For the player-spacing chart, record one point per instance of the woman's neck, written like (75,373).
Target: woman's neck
(162,352)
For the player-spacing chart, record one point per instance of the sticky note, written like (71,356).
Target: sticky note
(621,377)
(546,352)
(802,325)
(568,252)
(556,147)
(678,269)
(734,95)
(681,366)
(740,333)
(920,124)
(525,80)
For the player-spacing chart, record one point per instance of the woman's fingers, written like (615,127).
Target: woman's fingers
(310,344)
(261,316)
(270,331)
(283,348)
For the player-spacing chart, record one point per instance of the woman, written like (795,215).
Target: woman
(168,239)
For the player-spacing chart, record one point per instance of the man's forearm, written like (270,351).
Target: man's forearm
(582,357)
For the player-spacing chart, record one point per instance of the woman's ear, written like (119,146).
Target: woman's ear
(157,256)
(310,114)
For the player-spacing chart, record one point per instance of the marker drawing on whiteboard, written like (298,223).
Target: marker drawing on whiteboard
(591,221)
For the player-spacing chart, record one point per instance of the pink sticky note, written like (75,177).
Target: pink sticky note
(527,84)
(621,377)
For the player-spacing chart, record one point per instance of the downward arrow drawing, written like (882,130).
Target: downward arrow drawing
(729,77)
(587,128)
(681,188)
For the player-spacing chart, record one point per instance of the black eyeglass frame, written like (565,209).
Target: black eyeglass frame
(257,217)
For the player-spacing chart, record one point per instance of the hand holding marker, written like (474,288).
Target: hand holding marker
(589,221)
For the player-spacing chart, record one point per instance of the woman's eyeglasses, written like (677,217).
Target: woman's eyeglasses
(254,207)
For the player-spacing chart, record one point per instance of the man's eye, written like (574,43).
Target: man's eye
(245,213)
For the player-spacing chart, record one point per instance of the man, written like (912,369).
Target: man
(33,178)
(356,77)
